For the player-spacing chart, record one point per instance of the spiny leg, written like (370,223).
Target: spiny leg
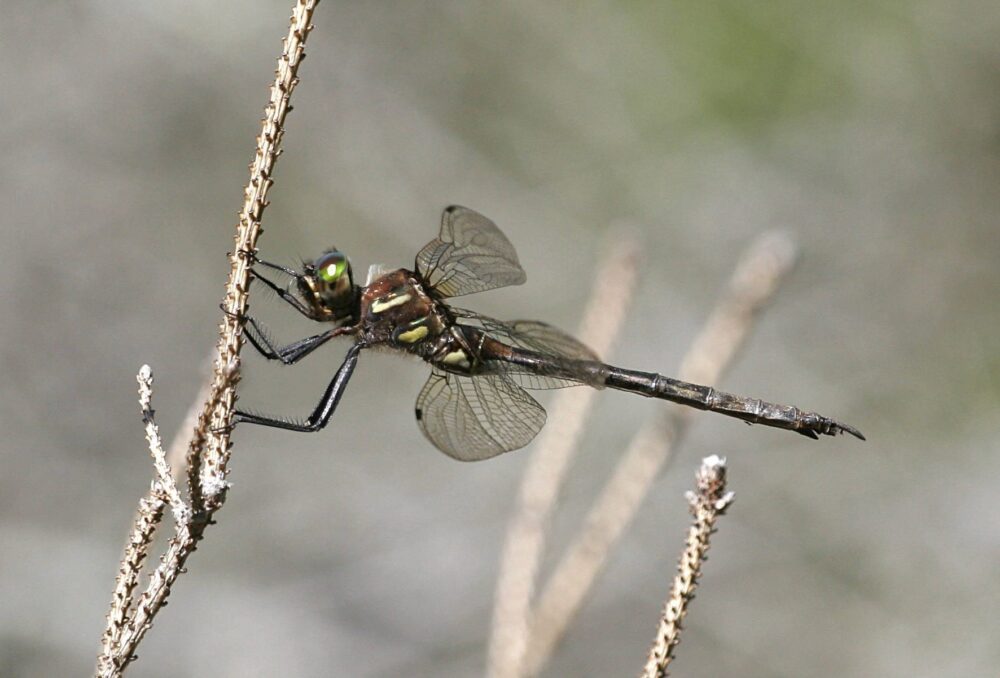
(290,353)
(290,272)
(282,293)
(323,411)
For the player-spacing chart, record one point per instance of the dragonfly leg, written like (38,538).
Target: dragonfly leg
(290,353)
(284,294)
(290,272)
(321,414)
(259,338)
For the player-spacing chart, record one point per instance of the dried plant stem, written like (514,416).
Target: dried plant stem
(603,318)
(209,448)
(247,232)
(140,537)
(754,282)
(124,630)
(708,502)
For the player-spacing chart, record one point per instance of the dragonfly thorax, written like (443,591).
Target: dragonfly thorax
(396,311)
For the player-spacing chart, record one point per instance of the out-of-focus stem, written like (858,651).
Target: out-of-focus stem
(752,285)
(546,471)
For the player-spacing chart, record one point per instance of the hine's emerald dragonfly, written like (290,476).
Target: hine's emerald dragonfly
(474,405)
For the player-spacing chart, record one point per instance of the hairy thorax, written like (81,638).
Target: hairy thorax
(398,313)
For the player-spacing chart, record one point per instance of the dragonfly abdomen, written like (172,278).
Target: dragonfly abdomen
(750,410)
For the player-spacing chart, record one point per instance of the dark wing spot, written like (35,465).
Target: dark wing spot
(420,414)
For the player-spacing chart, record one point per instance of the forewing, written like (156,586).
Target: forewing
(475,418)
(469,255)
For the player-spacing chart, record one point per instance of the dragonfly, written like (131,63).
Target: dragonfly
(475,405)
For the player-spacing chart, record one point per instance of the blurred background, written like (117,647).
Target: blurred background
(868,131)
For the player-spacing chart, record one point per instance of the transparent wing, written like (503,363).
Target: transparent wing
(469,255)
(548,339)
(564,352)
(475,418)
(530,334)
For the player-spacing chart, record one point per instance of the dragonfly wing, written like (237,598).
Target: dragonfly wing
(475,418)
(469,255)
(563,350)
(548,339)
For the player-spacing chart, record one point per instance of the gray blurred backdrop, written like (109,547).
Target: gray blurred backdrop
(870,131)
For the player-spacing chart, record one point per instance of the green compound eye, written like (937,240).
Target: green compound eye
(331,266)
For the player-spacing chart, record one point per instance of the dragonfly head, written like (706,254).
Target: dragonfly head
(328,285)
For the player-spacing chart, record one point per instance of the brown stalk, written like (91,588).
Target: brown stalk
(752,285)
(546,470)
(209,448)
(707,503)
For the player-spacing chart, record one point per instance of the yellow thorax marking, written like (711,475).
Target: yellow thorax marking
(414,335)
(456,357)
(388,302)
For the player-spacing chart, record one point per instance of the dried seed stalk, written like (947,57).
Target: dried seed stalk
(707,503)
(209,447)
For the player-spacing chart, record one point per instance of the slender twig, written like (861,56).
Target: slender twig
(544,476)
(164,483)
(122,628)
(209,447)
(754,282)
(140,537)
(707,503)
